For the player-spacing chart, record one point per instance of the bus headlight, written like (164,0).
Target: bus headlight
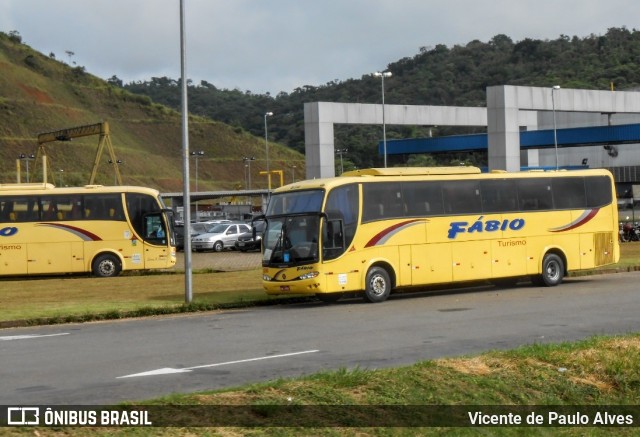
(266,278)
(309,275)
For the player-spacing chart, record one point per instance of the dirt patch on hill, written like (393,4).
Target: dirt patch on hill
(38,95)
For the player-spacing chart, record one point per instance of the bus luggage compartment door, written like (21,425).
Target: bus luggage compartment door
(50,258)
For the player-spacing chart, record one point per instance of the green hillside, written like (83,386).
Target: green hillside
(41,94)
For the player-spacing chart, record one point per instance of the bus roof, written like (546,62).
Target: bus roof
(429,173)
(412,171)
(33,188)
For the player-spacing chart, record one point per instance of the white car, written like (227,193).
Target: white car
(220,236)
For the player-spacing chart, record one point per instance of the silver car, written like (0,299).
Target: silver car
(219,237)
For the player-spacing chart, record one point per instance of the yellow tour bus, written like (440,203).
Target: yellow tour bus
(96,229)
(378,230)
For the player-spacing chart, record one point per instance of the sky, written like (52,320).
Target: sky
(272,46)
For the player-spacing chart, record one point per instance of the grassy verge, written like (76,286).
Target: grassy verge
(435,397)
(80,298)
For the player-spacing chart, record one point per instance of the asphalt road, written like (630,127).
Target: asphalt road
(108,362)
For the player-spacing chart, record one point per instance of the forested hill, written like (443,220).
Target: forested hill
(437,75)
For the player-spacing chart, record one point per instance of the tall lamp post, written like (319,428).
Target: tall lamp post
(197,155)
(555,130)
(342,152)
(247,163)
(26,159)
(266,145)
(115,176)
(382,75)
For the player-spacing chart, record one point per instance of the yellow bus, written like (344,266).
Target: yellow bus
(96,229)
(377,230)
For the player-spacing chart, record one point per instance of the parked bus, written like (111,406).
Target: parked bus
(102,230)
(377,230)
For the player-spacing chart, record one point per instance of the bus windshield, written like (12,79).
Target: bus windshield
(295,202)
(291,240)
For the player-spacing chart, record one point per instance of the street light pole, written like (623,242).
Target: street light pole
(384,129)
(26,159)
(247,162)
(555,133)
(117,162)
(266,144)
(197,155)
(341,152)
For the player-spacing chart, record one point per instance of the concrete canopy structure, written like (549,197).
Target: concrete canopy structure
(319,118)
(505,105)
(509,110)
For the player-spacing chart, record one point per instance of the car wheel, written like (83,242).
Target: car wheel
(218,246)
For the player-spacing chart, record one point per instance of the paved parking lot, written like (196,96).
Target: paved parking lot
(226,261)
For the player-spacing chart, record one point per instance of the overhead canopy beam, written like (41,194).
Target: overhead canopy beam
(319,118)
(505,103)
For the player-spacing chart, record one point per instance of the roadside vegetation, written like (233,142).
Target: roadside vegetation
(35,301)
(435,397)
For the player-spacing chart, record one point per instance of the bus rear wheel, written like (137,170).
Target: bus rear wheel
(106,266)
(378,285)
(552,270)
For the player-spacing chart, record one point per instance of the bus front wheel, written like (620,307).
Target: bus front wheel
(378,285)
(106,266)
(552,270)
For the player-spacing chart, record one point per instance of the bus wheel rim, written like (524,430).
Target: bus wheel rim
(378,285)
(552,271)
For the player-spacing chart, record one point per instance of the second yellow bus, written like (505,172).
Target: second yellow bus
(377,230)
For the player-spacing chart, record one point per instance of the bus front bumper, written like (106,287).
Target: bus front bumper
(281,285)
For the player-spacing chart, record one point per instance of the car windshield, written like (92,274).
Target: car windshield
(218,229)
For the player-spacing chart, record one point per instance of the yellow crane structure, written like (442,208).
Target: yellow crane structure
(276,172)
(101,129)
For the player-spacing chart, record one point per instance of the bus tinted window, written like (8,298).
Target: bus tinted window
(138,205)
(20,209)
(598,190)
(498,196)
(461,197)
(382,201)
(568,193)
(422,198)
(103,207)
(342,204)
(534,194)
(295,202)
